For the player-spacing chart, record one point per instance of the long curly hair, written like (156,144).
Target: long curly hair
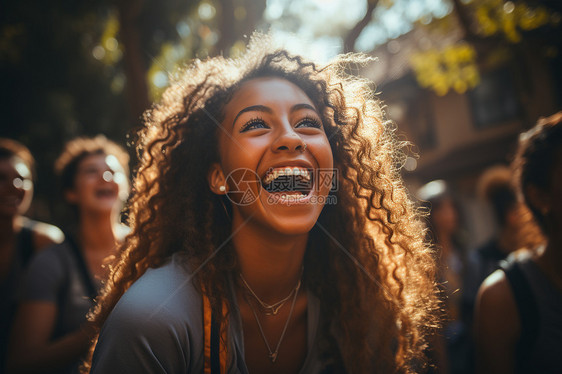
(366,259)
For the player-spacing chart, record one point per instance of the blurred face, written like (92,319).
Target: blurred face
(272,138)
(445,217)
(100,184)
(16,187)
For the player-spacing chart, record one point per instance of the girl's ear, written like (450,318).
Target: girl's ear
(216,179)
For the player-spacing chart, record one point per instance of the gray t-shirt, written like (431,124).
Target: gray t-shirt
(54,276)
(157,327)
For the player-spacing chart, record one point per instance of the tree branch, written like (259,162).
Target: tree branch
(349,41)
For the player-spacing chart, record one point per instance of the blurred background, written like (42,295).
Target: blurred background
(461,78)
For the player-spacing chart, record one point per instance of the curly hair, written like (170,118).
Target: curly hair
(379,300)
(537,154)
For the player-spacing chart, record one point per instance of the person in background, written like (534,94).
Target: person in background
(517,229)
(20,237)
(50,333)
(450,351)
(518,316)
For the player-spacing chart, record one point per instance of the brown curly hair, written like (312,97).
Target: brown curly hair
(379,298)
(535,158)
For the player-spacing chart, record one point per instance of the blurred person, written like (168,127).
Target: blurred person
(20,237)
(518,318)
(451,349)
(517,229)
(50,332)
(301,276)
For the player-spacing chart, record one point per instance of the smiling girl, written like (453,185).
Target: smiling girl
(61,282)
(270,230)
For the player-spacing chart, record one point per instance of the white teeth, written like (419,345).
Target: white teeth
(271,175)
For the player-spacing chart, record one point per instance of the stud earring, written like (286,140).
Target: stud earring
(222,188)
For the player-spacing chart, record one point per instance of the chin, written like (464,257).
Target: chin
(294,226)
(291,220)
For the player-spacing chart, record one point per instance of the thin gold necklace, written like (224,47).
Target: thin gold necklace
(271,309)
(273,354)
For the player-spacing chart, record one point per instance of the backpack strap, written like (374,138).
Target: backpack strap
(25,243)
(528,311)
(87,280)
(215,351)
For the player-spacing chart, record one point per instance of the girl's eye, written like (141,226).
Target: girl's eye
(256,123)
(309,122)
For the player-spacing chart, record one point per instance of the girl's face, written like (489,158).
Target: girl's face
(445,217)
(276,161)
(16,187)
(100,184)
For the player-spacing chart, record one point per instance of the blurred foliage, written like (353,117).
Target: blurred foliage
(510,19)
(454,67)
(493,22)
(210,28)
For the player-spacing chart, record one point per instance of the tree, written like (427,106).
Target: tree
(82,68)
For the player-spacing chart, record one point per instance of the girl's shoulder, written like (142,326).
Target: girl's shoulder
(158,322)
(165,293)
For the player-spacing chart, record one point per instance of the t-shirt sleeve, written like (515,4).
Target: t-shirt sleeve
(140,343)
(144,334)
(43,277)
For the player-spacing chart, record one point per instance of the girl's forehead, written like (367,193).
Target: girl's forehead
(94,159)
(101,160)
(268,90)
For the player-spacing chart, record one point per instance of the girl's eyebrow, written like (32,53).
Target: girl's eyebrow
(302,106)
(266,109)
(253,108)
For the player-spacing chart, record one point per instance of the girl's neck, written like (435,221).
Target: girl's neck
(8,226)
(271,263)
(98,231)
(508,240)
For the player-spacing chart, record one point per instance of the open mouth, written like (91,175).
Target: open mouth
(288,181)
(105,193)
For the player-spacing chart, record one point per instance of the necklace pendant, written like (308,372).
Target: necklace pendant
(273,356)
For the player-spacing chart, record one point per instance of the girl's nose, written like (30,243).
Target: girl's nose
(288,140)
